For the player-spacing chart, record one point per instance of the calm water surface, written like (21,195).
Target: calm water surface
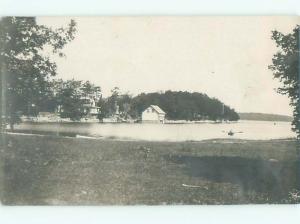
(169,132)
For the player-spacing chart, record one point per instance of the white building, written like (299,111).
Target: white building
(153,114)
(90,108)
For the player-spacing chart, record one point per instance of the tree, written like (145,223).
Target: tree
(111,104)
(69,100)
(25,65)
(285,67)
(89,89)
(72,98)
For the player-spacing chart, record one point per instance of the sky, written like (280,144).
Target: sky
(224,57)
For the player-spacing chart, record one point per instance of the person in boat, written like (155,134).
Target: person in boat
(231,133)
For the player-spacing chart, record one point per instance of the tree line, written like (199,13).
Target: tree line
(68,98)
(178,105)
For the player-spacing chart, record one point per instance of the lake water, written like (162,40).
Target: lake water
(256,130)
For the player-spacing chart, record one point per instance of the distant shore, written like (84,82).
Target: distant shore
(66,121)
(165,122)
(51,170)
(265,117)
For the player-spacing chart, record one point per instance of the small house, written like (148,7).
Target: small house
(153,114)
(89,108)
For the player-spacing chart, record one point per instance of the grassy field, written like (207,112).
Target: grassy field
(49,170)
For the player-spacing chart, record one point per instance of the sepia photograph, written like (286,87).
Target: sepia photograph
(149,110)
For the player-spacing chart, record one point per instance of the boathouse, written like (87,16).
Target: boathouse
(153,114)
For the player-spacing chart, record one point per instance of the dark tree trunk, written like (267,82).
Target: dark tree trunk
(298,164)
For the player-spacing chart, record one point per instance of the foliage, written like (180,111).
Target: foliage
(68,99)
(25,67)
(89,88)
(285,67)
(185,106)
(293,197)
(116,103)
(70,96)
(177,105)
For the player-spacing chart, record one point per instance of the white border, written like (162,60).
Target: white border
(246,214)
(149,7)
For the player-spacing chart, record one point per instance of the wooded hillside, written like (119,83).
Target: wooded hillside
(180,105)
(264,117)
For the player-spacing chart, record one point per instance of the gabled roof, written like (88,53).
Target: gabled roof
(157,109)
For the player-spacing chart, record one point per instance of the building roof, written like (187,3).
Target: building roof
(157,109)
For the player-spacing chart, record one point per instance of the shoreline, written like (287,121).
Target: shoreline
(140,122)
(113,138)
